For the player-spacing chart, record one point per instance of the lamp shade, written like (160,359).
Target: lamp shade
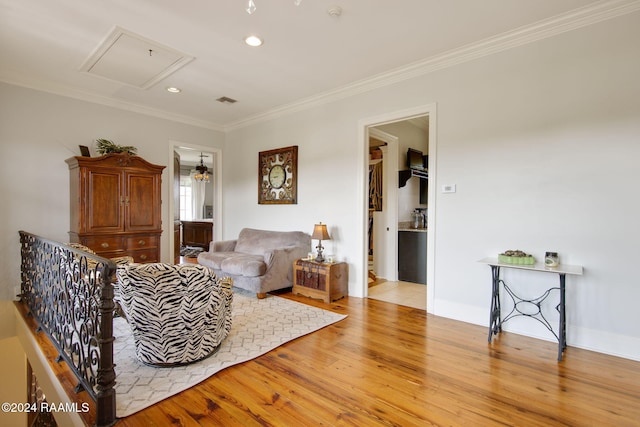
(320,232)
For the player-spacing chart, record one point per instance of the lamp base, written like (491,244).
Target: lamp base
(320,257)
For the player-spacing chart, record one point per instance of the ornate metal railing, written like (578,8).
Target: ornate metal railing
(69,292)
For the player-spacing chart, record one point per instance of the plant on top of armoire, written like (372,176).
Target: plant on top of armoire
(104,146)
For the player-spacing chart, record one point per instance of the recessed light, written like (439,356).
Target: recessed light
(253,41)
(174,90)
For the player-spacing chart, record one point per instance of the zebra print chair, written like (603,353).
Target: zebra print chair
(178,313)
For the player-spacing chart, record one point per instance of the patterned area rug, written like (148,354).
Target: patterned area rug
(259,326)
(191,251)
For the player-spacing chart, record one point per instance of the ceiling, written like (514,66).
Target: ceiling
(191,157)
(307,53)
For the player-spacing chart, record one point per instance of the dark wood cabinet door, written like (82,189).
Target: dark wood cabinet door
(196,233)
(104,204)
(141,196)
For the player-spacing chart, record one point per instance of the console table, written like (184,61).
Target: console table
(520,304)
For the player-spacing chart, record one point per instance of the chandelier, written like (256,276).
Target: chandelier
(251,6)
(202,174)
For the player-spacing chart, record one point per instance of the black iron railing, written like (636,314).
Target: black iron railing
(69,292)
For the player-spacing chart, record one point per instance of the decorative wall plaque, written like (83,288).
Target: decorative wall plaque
(278,176)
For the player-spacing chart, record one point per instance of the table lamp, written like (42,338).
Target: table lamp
(320,233)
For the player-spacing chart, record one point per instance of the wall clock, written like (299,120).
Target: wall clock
(278,176)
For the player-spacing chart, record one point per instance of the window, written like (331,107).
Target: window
(185,198)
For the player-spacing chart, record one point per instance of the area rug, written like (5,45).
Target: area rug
(259,326)
(191,251)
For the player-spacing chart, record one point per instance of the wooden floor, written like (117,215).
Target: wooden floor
(389,365)
(399,292)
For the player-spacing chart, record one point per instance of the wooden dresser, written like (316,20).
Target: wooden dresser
(197,233)
(325,281)
(116,205)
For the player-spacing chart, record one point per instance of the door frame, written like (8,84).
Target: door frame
(216,188)
(389,240)
(363,187)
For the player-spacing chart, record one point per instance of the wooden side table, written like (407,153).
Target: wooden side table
(325,281)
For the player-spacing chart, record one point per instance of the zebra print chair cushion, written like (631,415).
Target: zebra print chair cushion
(178,313)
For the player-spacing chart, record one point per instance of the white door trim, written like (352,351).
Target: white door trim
(217,187)
(363,188)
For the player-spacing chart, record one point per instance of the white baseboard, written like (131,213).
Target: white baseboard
(588,339)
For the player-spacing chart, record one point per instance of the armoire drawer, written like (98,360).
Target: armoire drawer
(145,255)
(141,242)
(102,244)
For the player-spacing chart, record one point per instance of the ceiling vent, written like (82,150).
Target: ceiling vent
(226,100)
(128,58)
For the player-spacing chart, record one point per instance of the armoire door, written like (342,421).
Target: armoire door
(143,193)
(104,201)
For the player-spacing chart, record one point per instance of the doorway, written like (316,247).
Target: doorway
(398,207)
(186,158)
(383,202)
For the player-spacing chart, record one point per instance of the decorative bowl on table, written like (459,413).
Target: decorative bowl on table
(516,257)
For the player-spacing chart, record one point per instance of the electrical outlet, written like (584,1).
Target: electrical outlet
(449,188)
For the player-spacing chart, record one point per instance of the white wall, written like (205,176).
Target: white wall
(542,142)
(327,179)
(38,131)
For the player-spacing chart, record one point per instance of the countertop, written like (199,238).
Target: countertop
(414,230)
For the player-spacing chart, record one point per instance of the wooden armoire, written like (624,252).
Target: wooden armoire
(116,205)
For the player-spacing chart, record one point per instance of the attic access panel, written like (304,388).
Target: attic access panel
(128,58)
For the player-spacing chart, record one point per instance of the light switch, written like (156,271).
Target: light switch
(449,188)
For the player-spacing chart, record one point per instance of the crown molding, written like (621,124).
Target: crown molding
(382,135)
(559,24)
(575,19)
(109,102)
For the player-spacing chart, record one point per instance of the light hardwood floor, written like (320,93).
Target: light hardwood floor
(389,365)
(392,365)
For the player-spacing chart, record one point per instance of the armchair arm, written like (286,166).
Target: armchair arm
(226,285)
(280,261)
(223,246)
